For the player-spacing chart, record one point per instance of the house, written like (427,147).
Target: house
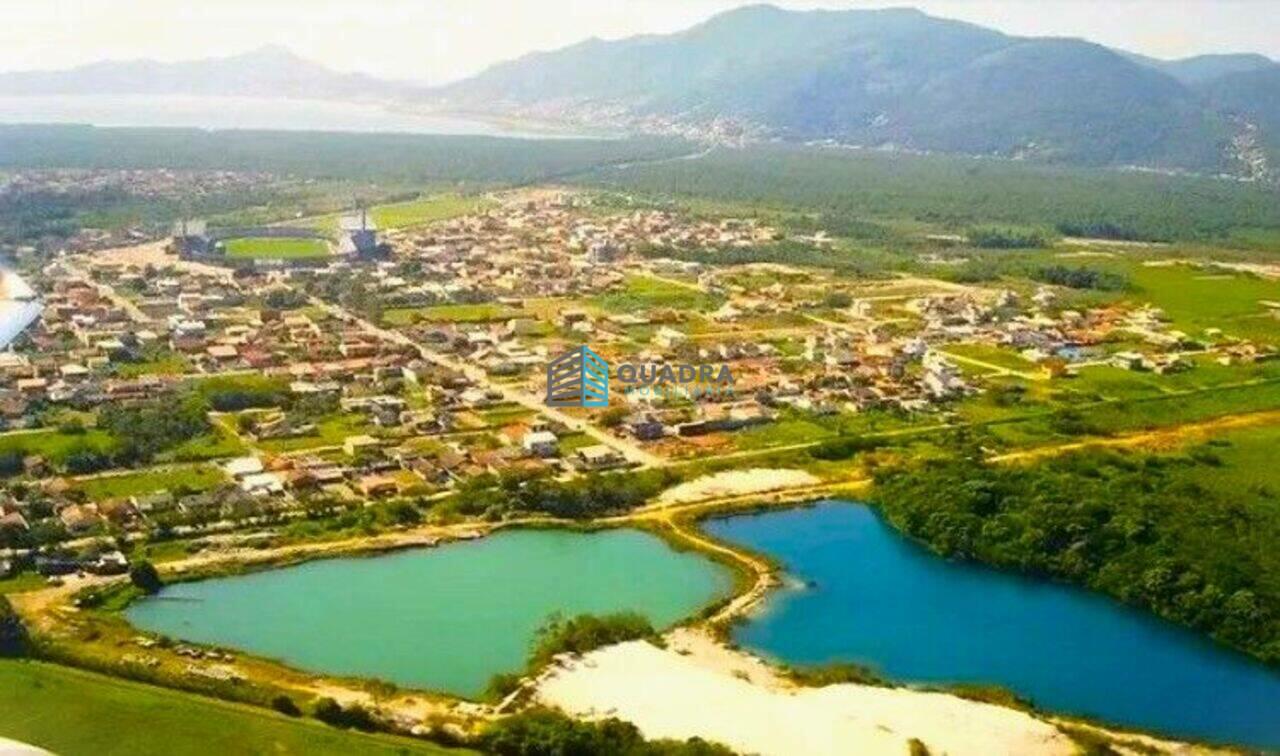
(1129,360)
(540,443)
(109,563)
(80,518)
(597,457)
(222,352)
(378,485)
(262,484)
(243,467)
(647,429)
(668,338)
(354,445)
(153,502)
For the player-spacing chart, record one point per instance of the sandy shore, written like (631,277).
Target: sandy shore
(736,483)
(699,687)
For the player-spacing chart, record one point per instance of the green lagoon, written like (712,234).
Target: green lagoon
(443,619)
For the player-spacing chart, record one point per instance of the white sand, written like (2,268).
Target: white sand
(699,688)
(736,483)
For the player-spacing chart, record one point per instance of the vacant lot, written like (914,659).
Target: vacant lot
(277,249)
(56,445)
(177,478)
(72,712)
(644,293)
(424,210)
(459,313)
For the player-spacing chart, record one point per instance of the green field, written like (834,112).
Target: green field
(1197,299)
(425,210)
(55,445)
(646,292)
(73,712)
(415,212)
(330,431)
(189,477)
(1241,461)
(276,249)
(173,363)
(459,313)
(992,355)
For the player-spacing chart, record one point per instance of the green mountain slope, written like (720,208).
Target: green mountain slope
(893,77)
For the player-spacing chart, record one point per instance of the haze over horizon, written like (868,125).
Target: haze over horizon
(448,40)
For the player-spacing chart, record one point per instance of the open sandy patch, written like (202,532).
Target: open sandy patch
(682,692)
(736,483)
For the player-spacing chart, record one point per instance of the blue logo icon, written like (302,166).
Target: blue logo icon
(578,378)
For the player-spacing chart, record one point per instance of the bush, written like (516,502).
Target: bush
(13,634)
(1007,237)
(144,575)
(843,448)
(286,706)
(356,717)
(1081,278)
(587,632)
(543,732)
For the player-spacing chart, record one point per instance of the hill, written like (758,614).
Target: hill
(887,78)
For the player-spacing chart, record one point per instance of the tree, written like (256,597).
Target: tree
(144,575)
(332,713)
(544,732)
(286,706)
(13,634)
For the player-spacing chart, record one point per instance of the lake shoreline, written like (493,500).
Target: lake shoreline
(756,576)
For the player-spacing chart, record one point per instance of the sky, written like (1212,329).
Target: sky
(435,41)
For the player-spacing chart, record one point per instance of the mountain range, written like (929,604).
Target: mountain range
(270,71)
(893,78)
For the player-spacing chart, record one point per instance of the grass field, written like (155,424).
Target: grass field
(55,445)
(189,477)
(411,213)
(1243,462)
(1197,299)
(644,292)
(171,364)
(276,249)
(459,313)
(992,355)
(25,581)
(330,431)
(425,210)
(73,712)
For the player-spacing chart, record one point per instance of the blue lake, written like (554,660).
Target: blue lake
(878,599)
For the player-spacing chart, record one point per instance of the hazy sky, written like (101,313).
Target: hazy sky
(438,40)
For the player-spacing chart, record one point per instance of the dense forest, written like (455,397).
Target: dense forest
(958,193)
(1136,527)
